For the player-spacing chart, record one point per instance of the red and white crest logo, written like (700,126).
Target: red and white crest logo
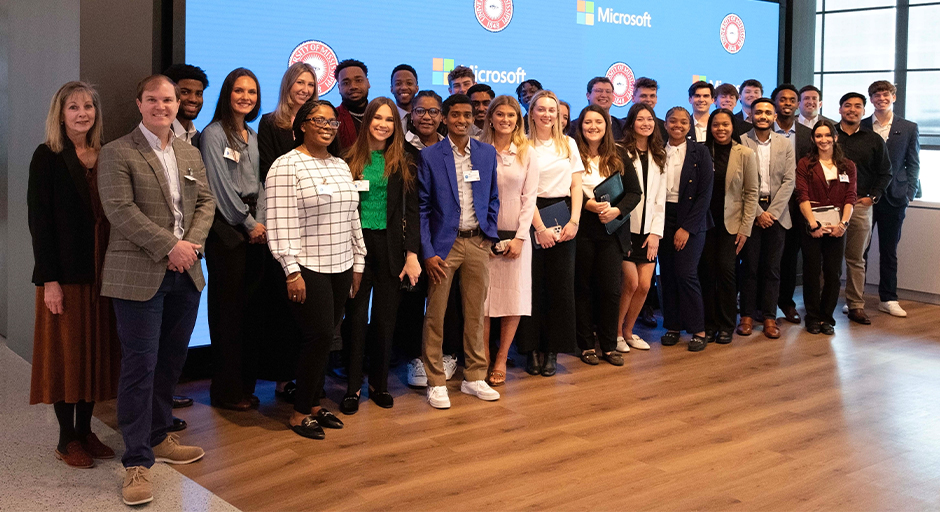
(323,59)
(732,33)
(493,15)
(624,81)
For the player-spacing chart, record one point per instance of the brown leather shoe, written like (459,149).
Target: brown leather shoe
(94,447)
(859,315)
(75,456)
(241,406)
(790,315)
(746,326)
(770,328)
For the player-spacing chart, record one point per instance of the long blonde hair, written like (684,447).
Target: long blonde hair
(518,136)
(55,121)
(558,137)
(285,110)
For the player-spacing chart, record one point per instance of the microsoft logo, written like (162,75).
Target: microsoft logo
(698,78)
(585,12)
(440,69)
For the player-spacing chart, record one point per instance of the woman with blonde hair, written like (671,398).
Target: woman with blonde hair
(383,166)
(551,328)
(76,355)
(517,178)
(275,130)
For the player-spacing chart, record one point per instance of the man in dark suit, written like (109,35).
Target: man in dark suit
(458,205)
(901,138)
(646,91)
(701,97)
(750,90)
(785,98)
(761,255)
(154,192)
(600,92)
(811,106)
(726,96)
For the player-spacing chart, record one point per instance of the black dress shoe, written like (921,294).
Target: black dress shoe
(309,428)
(647,317)
(826,329)
(383,399)
(327,419)
(670,338)
(791,315)
(813,327)
(241,406)
(549,365)
(290,390)
(697,344)
(533,363)
(178,424)
(724,337)
(181,401)
(349,405)
(709,336)
(253,400)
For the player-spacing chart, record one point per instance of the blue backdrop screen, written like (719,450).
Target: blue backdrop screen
(560,43)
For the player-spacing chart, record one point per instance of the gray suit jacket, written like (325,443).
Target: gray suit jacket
(782,175)
(741,187)
(135,196)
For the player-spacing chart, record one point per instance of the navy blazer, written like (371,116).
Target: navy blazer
(695,189)
(904,151)
(438,202)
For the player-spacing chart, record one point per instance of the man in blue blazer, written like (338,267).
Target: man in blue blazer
(458,205)
(900,136)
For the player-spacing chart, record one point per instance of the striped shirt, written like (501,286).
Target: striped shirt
(313,216)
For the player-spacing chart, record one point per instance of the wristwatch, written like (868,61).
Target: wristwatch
(817,228)
(845,224)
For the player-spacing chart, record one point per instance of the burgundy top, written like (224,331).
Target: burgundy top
(812,186)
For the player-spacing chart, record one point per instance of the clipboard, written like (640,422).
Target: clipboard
(611,191)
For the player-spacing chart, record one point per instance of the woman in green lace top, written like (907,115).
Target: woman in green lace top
(383,168)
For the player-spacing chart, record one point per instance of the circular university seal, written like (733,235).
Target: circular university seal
(622,77)
(732,33)
(319,55)
(493,15)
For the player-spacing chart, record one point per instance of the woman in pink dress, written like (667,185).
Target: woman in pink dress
(510,293)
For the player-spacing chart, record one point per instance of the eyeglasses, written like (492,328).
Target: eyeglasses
(322,122)
(419,112)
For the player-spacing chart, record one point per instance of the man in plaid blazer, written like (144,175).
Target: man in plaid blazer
(154,192)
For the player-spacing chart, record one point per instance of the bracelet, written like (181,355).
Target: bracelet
(295,278)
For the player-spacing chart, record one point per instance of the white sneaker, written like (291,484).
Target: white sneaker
(892,308)
(450,366)
(845,309)
(622,345)
(638,343)
(437,397)
(416,375)
(479,389)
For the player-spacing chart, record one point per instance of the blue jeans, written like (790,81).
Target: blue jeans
(154,338)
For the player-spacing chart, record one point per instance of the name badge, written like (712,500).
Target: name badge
(844,178)
(231,155)
(361,185)
(471,175)
(507,160)
(188,177)
(324,190)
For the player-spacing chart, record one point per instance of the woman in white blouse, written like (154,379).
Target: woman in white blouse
(644,145)
(517,177)
(551,328)
(315,234)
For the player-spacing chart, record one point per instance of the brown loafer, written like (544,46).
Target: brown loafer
(770,329)
(94,447)
(746,326)
(858,315)
(75,456)
(791,315)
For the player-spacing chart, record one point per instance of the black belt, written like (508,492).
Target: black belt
(252,203)
(469,233)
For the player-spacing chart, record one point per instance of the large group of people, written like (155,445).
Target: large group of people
(414,224)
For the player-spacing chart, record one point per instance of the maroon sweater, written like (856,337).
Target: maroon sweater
(812,186)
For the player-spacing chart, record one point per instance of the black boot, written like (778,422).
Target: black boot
(533,363)
(548,365)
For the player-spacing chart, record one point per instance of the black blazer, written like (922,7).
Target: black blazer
(904,151)
(591,223)
(61,219)
(804,140)
(696,181)
(408,237)
(662,130)
(272,143)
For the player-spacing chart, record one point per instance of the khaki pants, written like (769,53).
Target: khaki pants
(471,256)
(856,240)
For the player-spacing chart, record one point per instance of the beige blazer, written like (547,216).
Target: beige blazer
(742,182)
(135,196)
(782,175)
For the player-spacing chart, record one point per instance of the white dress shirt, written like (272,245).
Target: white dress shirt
(808,122)
(591,178)
(413,139)
(763,160)
(468,215)
(675,158)
(700,130)
(167,158)
(882,129)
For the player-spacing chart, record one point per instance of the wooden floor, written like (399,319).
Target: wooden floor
(850,422)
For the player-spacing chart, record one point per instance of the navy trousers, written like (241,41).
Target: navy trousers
(887,219)
(682,293)
(154,338)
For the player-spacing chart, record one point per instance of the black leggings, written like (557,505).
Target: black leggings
(74,421)
(317,318)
